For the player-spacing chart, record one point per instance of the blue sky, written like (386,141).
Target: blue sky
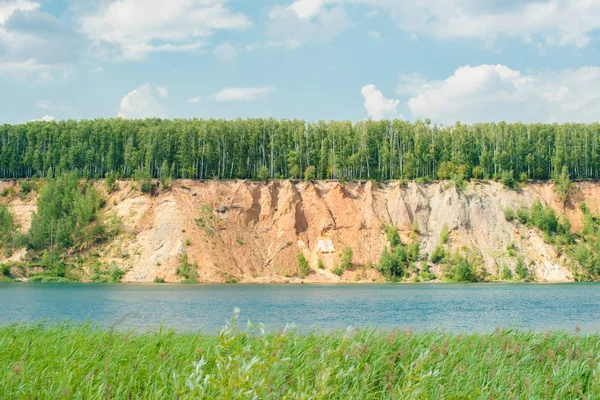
(447,60)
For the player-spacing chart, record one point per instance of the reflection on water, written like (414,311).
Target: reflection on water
(481,307)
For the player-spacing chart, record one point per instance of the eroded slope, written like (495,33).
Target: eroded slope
(252,231)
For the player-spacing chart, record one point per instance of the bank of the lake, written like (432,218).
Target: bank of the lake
(289,230)
(80,361)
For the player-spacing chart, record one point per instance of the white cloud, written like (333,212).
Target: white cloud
(42,73)
(555,22)
(376,36)
(558,22)
(140,103)
(194,100)
(243,94)
(7,7)
(292,27)
(135,28)
(97,70)
(377,106)
(34,45)
(225,52)
(162,91)
(306,8)
(45,118)
(496,92)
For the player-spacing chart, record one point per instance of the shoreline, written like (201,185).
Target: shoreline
(295,283)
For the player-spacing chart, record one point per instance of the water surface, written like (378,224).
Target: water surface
(456,307)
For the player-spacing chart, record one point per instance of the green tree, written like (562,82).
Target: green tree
(187,270)
(302,264)
(310,173)
(507,273)
(521,269)
(346,258)
(507,178)
(110,182)
(413,251)
(439,253)
(9,235)
(444,234)
(393,235)
(461,270)
(562,183)
(379,150)
(536,213)
(263,174)
(523,215)
(390,265)
(165,175)
(446,170)
(65,211)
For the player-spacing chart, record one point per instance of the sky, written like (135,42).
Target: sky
(446,60)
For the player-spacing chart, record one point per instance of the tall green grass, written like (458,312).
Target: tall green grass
(87,362)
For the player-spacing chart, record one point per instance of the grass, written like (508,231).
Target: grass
(84,361)
(47,279)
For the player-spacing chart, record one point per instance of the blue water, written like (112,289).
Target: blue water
(469,307)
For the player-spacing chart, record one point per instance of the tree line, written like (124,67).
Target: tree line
(295,149)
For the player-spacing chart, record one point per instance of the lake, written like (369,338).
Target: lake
(455,307)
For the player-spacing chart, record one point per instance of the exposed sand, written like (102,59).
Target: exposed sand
(253,231)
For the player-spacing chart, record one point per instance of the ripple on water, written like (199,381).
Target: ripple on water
(456,307)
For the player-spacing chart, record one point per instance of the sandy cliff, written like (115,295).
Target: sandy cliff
(252,231)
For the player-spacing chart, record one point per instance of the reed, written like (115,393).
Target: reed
(85,361)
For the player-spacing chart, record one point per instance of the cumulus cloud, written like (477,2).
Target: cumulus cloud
(194,100)
(306,8)
(8,7)
(34,43)
(243,94)
(497,92)
(45,118)
(555,22)
(136,28)
(140,103)
(377,106)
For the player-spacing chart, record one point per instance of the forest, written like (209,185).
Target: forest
(279,149)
